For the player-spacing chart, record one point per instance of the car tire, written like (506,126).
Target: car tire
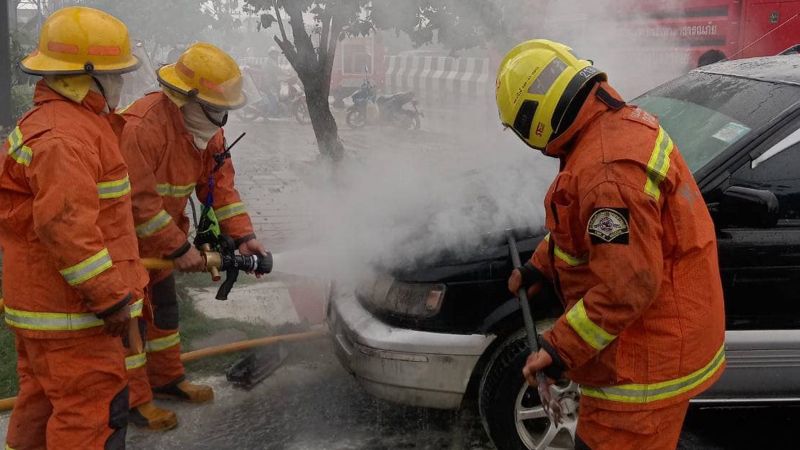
(501,393)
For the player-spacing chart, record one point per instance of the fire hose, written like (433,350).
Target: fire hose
(8,403)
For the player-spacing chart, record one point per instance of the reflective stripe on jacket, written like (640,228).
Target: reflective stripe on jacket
(632,251)
(66,225)
(165,168)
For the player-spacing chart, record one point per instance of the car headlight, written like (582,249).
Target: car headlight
(413,300)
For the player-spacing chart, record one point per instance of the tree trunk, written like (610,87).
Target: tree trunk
(325,129)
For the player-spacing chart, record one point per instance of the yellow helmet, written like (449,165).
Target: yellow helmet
(206,73)
(536,82)
(78,40)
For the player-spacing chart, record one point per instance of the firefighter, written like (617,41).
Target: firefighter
(174,145)
(631,251)
(73,281)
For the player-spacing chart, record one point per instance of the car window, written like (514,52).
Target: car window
(705,114)
(777,170)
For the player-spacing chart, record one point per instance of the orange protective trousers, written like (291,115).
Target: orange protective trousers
(73,394)
(655,429)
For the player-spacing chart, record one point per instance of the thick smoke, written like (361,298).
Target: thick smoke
(402,203)
(407,197)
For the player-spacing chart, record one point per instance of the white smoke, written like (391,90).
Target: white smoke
(403,197)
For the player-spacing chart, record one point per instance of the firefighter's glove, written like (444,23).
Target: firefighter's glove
(528,277)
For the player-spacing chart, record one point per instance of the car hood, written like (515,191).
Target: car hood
(487,259)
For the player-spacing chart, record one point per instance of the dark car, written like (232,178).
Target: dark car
(432,335)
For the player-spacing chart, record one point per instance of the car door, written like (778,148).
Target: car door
(761,277)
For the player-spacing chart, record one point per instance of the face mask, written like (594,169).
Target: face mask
(111,87)
(199,124)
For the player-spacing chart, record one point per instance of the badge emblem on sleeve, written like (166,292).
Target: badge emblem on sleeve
(609,226)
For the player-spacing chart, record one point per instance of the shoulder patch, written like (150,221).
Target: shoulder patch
(641,116)
(609,226)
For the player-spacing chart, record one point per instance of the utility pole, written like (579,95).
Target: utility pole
(5,66)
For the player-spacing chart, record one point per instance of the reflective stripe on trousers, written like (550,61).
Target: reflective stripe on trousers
(48,321)
(135,361)
(646,393)
(160,344)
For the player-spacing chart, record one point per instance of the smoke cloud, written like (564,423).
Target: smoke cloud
(409,197)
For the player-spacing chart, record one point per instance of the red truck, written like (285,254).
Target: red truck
(712,30)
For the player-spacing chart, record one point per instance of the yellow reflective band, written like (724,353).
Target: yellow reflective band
(135,361)
(18,151)
(171,190)
(228,211)
(658,166)
(114,189)
(154,225)
(646,393)
(564,256)
(136,308)
(45,321)
(157,345)
(589,331)
(88,268)
(49,321)
(8,447)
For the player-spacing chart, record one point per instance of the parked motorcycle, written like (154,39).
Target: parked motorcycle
(368,107)
(289,101)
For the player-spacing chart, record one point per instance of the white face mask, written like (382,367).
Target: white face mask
(197,123)
(111,88)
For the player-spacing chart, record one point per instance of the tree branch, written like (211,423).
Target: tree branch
(285,45)
(323,39)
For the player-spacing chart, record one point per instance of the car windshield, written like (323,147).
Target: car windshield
(706,113)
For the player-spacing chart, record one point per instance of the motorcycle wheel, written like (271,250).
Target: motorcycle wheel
(301,112)
(247,114)
(408,120)
(355,119)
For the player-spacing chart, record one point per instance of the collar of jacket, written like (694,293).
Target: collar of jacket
(592,108)
(43,93)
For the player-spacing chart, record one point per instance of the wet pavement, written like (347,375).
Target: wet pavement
(312,403)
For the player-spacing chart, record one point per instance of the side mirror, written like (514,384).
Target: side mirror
(741,206)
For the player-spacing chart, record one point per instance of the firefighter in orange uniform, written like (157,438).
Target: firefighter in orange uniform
(174,145)
(73,281)
(631,251)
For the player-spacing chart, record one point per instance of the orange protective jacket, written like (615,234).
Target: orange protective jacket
(632,252)
(66,227)
(165,168)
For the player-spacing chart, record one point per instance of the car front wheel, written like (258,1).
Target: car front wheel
(511,411)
